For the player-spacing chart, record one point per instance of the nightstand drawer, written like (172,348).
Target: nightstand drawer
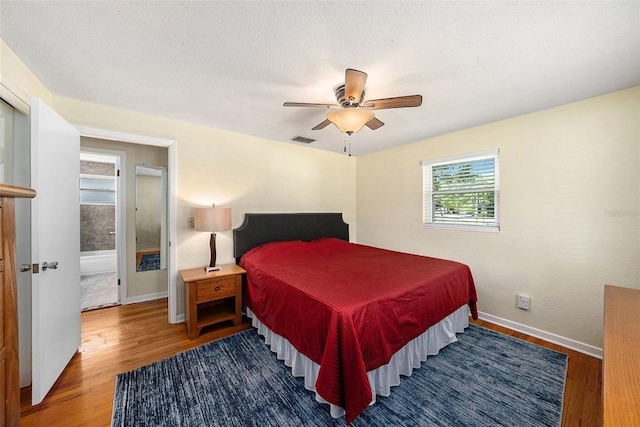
(209,290)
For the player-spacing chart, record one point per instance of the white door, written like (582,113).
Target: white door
(55,237)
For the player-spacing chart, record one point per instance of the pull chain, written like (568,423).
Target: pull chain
(345,147)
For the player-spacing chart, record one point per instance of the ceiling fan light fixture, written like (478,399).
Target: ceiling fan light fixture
(350,120)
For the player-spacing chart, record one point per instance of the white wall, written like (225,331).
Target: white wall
(248,174)
(570,187)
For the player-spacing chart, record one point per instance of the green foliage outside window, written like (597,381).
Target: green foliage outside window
(464,191)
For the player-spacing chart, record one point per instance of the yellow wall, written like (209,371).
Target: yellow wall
(569,211)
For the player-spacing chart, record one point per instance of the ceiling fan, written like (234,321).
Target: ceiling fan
(352,112)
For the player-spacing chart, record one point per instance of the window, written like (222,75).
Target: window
(97,190)
(462,192)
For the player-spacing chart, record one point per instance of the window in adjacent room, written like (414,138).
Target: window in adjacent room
(462,192)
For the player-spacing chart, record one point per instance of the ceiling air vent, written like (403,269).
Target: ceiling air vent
(302,139)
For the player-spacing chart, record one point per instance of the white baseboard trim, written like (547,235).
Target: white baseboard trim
(148,297)
(180,318)
(544,335)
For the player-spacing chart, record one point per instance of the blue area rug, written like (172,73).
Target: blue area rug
(149,262)
(484,379)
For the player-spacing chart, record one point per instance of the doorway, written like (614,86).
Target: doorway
(101,207)
(142,284)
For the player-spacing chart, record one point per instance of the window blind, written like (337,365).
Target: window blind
(462,191)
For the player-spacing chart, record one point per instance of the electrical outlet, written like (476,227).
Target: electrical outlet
(523,302)
(190,222)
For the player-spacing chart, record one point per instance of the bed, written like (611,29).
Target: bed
(349,318)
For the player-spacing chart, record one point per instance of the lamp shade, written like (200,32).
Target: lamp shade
(215,218)
(350,120)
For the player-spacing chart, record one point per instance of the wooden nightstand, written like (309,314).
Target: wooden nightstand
(213,297)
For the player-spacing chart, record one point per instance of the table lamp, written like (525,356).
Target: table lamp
(212,219)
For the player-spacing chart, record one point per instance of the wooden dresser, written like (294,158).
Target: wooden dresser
(9,372)
(621,360)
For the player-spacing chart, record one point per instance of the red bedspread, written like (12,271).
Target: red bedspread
(350,307)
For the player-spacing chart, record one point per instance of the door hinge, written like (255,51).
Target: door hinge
(36,268)
(118,174)
(118,282)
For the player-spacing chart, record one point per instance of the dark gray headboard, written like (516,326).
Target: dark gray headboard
(261,228)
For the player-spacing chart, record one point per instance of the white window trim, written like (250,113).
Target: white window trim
(427,204)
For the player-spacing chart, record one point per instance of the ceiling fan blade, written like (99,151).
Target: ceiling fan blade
(354,81)
(305,104)
(322,125)
(397,102)
(374,124)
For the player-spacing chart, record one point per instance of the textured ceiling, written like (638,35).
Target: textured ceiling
(231,65)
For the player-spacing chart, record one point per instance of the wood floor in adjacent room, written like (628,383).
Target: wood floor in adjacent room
(118,339)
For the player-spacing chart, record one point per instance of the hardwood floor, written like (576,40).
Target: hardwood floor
(118,339)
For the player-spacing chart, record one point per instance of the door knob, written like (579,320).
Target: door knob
(25,267)
(47,265)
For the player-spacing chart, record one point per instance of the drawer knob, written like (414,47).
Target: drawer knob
(217,288)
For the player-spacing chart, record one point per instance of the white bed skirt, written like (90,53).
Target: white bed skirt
(383,378)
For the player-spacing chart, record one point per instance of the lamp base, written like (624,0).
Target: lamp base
(208,268)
